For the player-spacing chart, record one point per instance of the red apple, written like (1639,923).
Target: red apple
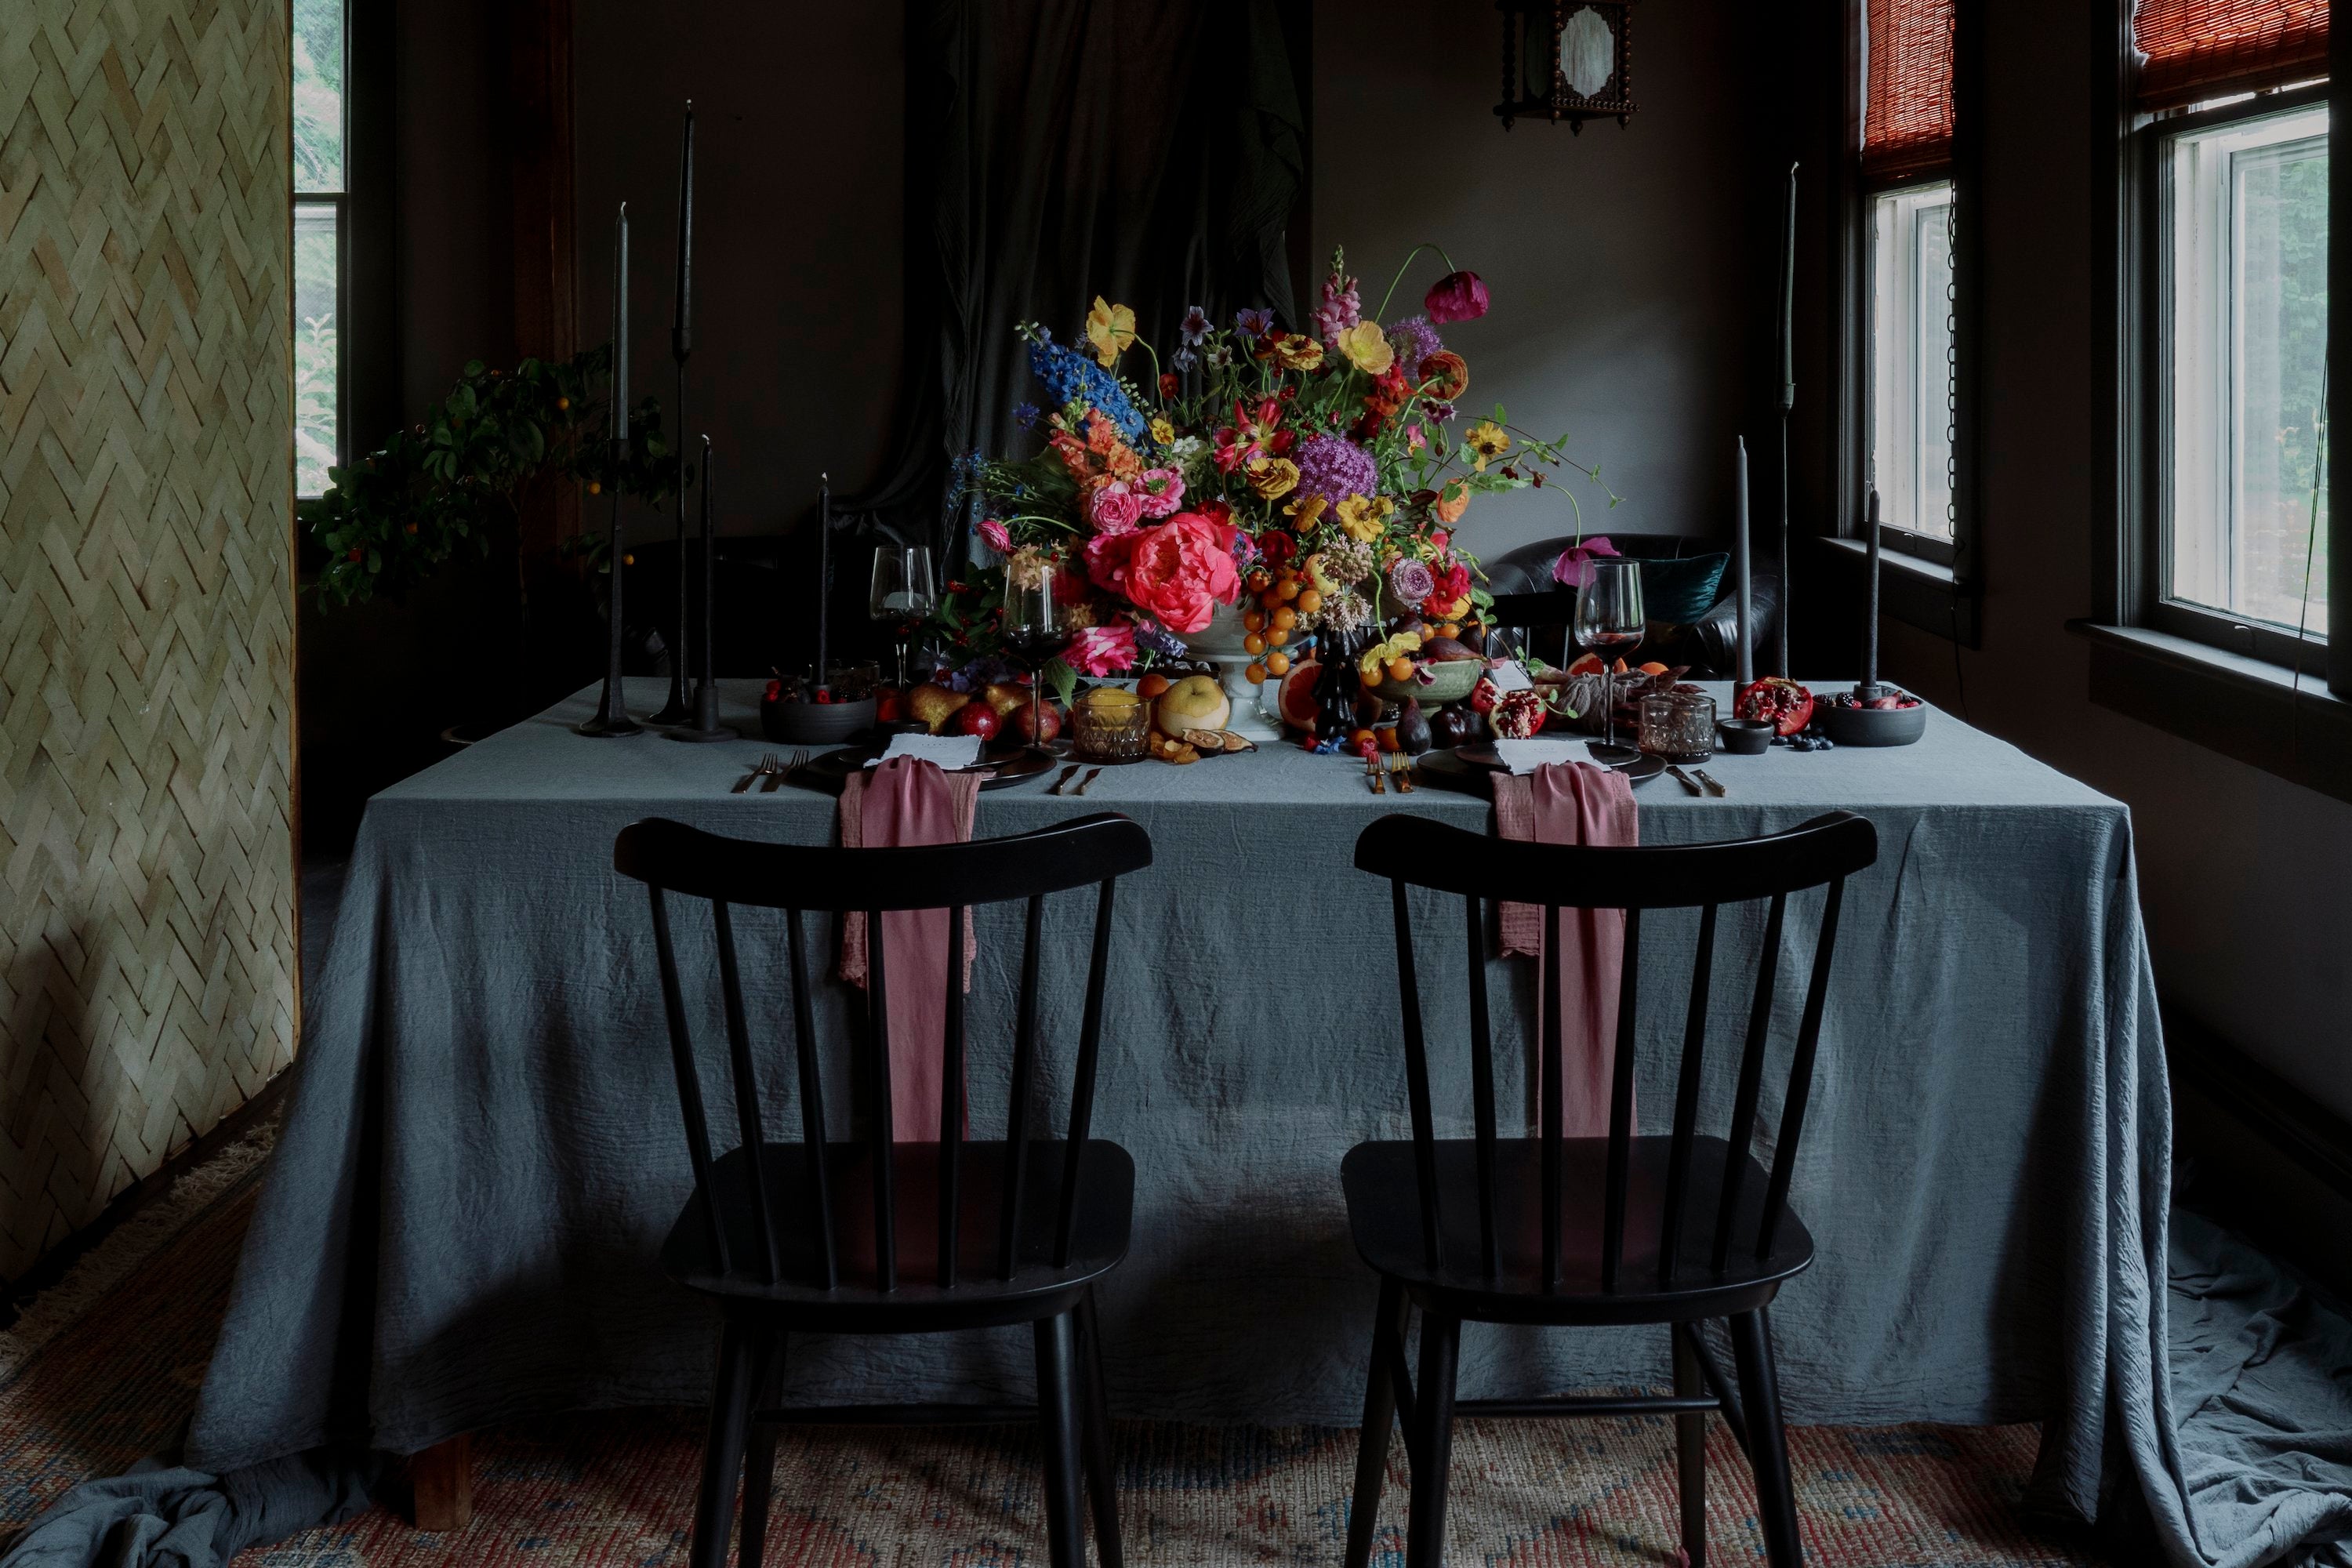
(977,718)
(1044,719)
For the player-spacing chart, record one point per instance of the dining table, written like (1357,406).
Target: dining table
(483,1152)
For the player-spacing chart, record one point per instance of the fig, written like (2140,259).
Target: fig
(1412,729)
(1445,650)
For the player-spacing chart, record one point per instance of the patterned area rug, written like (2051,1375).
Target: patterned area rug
(82,1393)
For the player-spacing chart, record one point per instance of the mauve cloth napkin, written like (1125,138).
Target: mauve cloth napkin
(905,801)
(1573,803)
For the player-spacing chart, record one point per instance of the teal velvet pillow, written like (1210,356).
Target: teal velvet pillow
(1681,591)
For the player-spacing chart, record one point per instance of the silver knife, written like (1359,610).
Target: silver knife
(1086,780)
(1712,787)
(1685,779)
(1057,787)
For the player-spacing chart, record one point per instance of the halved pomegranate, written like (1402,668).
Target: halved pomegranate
(1787,705)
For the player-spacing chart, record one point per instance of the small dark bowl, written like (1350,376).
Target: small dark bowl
(1745,737)
(1871,726)
(815,723)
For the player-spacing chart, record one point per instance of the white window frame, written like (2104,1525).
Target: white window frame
(1909,377)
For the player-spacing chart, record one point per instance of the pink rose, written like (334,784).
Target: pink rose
(1457,297)
(1114,509)
(1159,492)
(1182,570)
(1101,650)
(1108,555)
(1574,567)
(997,536)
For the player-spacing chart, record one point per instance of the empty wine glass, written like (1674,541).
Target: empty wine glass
(902,594)
(1609,623)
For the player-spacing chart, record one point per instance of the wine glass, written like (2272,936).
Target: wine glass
(901,594)
(1609,622)
(1035,629)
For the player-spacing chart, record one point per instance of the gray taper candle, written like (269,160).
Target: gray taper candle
(611,716)
(1870,687)
(824,569)
(1787,401)
(1744,659)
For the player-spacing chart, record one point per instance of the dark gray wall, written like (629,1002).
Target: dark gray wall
(799,229)
(2243,878)
(1630,272)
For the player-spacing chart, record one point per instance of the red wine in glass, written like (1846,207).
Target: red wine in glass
(1609,623)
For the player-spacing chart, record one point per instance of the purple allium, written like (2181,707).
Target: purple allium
(1195,325)
(1335,468)
(1254,324)
(1411,581)
(1414,341)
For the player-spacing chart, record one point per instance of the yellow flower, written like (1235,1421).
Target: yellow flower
(1363,516)
(1305,511)
(1272,478)
(1110,328)
(1299,351)
(1367,347)
(1488,440)
(1374,664)
(1162,431)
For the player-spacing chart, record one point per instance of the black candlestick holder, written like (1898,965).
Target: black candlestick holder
(705,725)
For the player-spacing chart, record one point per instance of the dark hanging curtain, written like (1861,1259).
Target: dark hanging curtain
(1149,151)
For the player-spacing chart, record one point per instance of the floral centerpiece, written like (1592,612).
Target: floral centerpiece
(1290,488)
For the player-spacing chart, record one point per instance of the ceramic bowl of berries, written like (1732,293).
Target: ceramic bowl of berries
(1881,716)
(794,713)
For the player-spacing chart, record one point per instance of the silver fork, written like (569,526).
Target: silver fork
(765,765)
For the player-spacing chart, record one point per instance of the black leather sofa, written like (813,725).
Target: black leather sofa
(1528,601)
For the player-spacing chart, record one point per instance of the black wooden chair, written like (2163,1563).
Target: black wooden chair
(963,1234)
(1674,1230)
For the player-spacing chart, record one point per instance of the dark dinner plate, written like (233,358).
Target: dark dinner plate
(828,772)
(1641,769)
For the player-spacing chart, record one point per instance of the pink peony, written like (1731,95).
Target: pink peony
(1101,650)
(1182,570)
(997,536)
(1108,555)
(1114,509)
(1457,297)
(1160,491)
(1574,567)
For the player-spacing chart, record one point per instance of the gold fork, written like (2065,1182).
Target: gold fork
(1402,765)
(1372,772)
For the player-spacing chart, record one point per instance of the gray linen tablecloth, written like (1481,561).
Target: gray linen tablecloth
(484,1148)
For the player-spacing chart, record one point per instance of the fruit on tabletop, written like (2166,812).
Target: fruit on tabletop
(1195,702)
(1483,697)
(1005,696)
(1400,668)
(1365,737)
(1651,668)
(1151,686)
(931,705)
(1452,725)
(1208,742)
(888,704)
(1519,714)
(1035,722)
(977,719)
(1588,664)
(1111,698)
(1296,698)
(1412,731)
(1232,742)
(1443,648)
(1254,675)
(1788,706)
(1167,748)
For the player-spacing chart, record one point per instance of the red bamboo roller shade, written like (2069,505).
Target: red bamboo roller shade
(2208,49)
(1907,125)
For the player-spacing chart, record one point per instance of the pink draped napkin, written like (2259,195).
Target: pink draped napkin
(1573,803)
(905,801)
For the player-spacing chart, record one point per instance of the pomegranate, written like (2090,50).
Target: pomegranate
(1787,705)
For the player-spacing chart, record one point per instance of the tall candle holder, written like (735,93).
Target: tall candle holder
(705,725)
(681,344)
(611,717)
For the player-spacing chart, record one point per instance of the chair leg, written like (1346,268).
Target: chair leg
(1059,1422)
(760,1455)
(1768,1439)
(722,1451)
(1379,1419)
(1433,1397)
(1102,1474)
(1690,1448)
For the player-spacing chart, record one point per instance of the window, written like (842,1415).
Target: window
(321,199)
(2245,255)
(1910,304)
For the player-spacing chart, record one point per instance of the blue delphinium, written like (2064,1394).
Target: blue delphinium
(1026,415)
(1071,377)
(1158,640)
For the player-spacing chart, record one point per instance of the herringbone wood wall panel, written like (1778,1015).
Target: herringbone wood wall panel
(147,954)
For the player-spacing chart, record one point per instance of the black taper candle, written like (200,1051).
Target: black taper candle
(705,725)
(612,710)
(681,344)
(1743,664)
(1870,689)
(1787,401)
(824,569)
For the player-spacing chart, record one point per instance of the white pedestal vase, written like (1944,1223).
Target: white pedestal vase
(1219,643)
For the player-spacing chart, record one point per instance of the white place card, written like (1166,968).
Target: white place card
(1527,756)
(1509,675)
(950,752)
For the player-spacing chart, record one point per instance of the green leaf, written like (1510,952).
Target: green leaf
(1061,679)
